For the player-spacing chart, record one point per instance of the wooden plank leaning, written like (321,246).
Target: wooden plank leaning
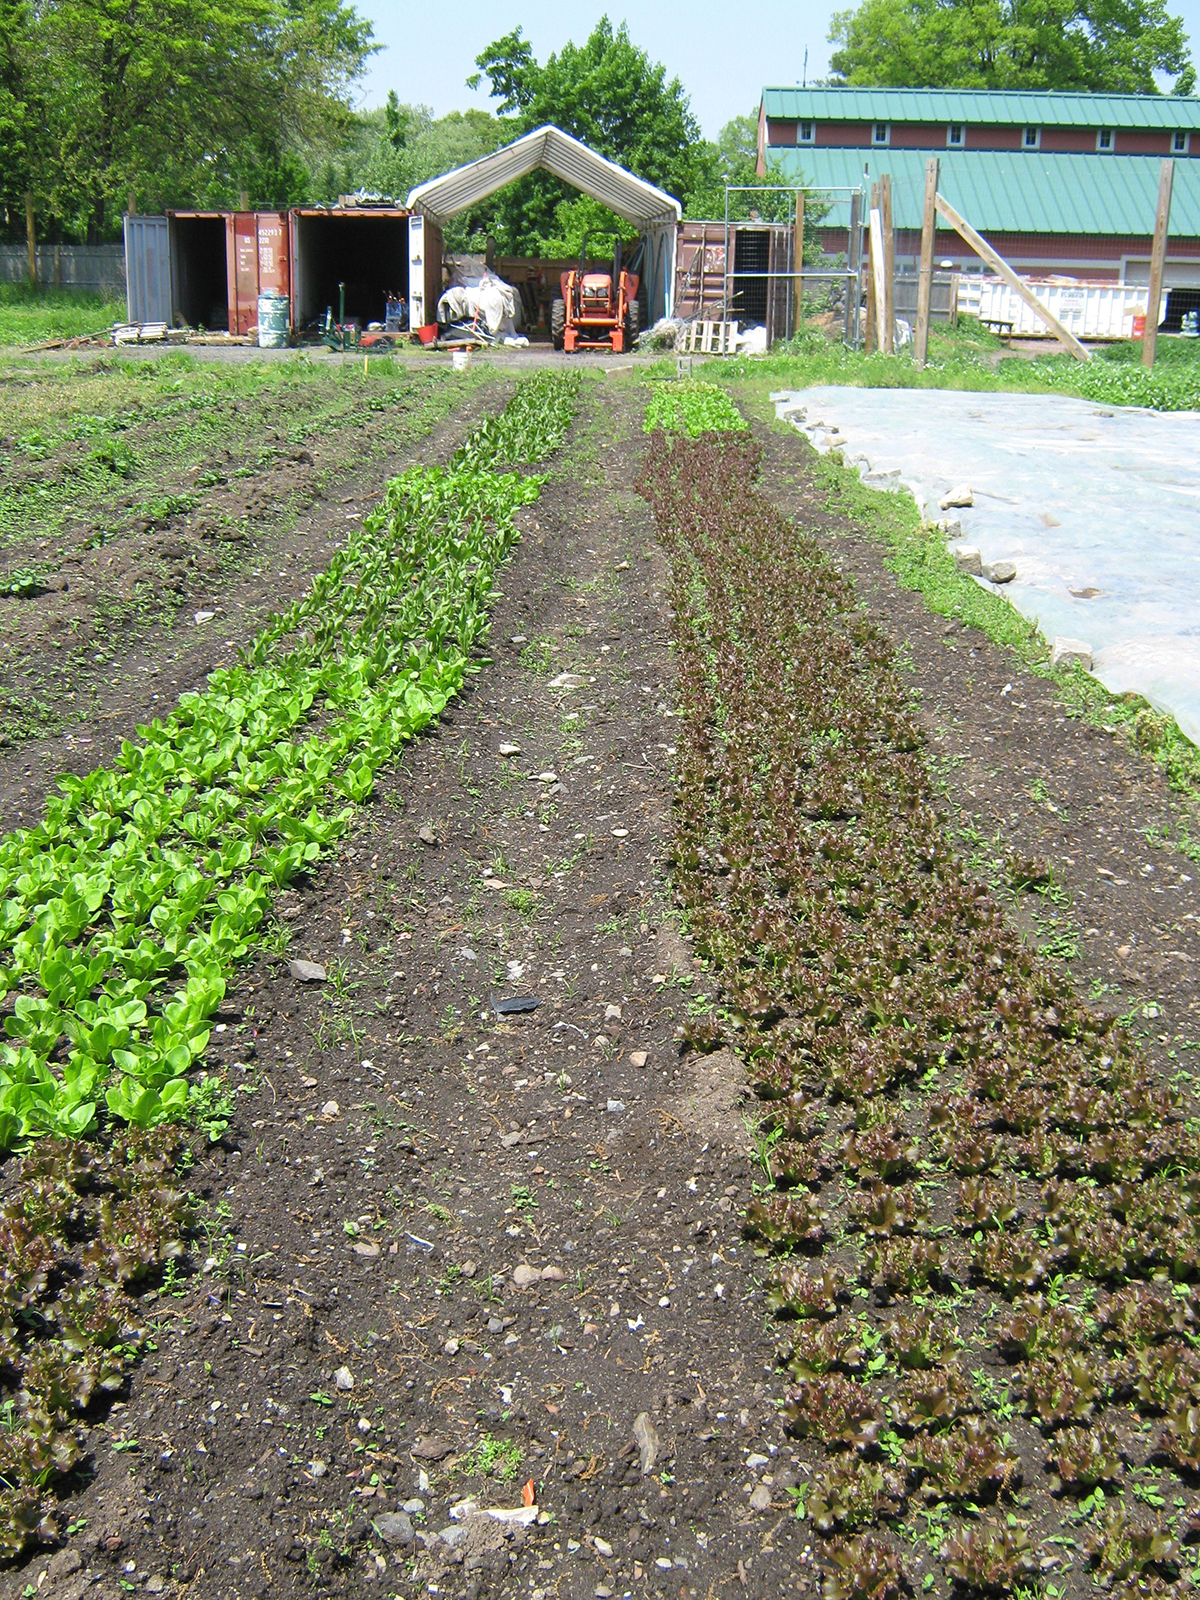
(998,264)
(1158,261)
(869,318)
(925,276)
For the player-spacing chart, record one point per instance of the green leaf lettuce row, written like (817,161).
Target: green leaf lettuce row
(163,864)
(692,407)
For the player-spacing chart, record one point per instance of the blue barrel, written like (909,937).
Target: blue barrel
(272,321)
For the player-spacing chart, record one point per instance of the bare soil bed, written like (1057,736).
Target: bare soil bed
(448,1250)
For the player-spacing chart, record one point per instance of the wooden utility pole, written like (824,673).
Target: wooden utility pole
(1158,261)
(925,276)
(798,258)
(888,343)
(31,236)
(998,264)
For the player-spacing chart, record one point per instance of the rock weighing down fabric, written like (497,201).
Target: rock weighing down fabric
(1099,508)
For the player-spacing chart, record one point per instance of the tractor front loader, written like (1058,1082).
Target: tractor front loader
(596,310)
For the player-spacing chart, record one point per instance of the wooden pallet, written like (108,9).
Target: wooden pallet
(708,338)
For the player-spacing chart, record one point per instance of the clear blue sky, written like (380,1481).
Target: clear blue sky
(723,54)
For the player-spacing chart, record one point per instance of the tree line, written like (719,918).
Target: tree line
(112,105)
(104,103)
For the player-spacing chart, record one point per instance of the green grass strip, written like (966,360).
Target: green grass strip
(124,910)
(30,315)
(967,357)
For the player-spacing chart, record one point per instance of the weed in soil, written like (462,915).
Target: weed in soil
(134,493)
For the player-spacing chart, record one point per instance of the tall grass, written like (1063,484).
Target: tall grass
(31,315)
(967,357)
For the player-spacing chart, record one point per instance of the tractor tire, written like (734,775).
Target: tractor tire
(558,323)
(633,324)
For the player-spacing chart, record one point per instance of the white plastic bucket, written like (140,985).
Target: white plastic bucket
(272,321)
(460,360)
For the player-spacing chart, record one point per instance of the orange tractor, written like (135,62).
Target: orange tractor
(596,310)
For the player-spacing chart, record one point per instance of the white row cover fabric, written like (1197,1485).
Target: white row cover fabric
(552,150)
(1094,504)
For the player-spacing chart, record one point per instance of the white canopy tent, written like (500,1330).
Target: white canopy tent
(652,212)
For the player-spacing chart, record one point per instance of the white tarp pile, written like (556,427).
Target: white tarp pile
(1097,507)
(490,303)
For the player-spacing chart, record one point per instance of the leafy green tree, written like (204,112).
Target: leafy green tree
(732,160)
(176,100)
(1115,46)
(413,145)
(606,92)
(19,115)
(337,162)
(579,218)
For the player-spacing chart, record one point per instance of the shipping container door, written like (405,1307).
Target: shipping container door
(243,285)
(420,310)
(274,275)
(297,266)
(424,270)
(147,269)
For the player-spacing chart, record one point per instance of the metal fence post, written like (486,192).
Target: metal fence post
(850,329)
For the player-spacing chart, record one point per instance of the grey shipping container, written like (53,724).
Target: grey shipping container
(147,269)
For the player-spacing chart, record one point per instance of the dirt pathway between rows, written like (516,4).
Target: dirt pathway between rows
(449,1252)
